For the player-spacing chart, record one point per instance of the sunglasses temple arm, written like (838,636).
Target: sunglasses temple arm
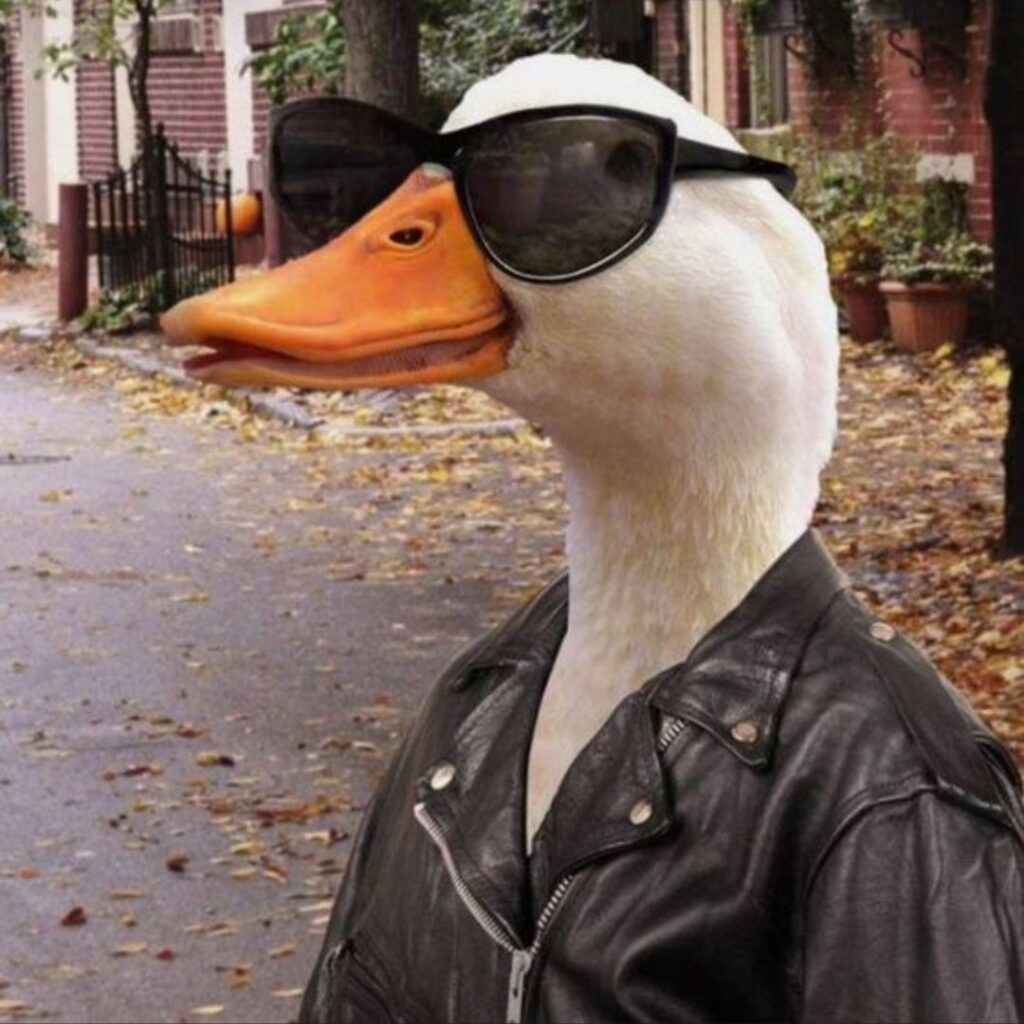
(781,175)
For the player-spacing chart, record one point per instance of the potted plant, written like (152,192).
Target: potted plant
(856,198)
(855,253)
(928,285)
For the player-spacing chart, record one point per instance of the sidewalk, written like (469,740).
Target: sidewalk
(28,313)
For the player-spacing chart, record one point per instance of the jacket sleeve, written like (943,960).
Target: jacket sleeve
(917,914)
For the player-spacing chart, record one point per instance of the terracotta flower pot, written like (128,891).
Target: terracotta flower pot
(864,307)
(924,316)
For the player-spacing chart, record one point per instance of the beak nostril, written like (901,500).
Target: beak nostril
(407,236)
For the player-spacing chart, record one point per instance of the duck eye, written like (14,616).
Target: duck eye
(407,236)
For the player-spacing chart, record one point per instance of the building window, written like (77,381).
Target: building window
(624,29)
(769,82)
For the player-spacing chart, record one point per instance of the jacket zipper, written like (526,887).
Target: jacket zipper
(522,957)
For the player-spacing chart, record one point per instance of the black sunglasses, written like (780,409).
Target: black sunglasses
(552,194)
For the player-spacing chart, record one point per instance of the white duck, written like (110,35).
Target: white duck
(689,390)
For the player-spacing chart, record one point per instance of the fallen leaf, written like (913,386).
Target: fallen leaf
(129,949)
(210,758)
(249,848)
(74,917)
(126,894)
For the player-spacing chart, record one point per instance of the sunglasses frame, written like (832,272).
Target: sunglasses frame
(678,158)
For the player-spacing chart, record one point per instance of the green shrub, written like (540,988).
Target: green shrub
(861,199)
(461,41)
(957,259)
(937,248)
(117,310)
(15,222)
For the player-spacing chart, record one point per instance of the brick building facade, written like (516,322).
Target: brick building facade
(83,129)
(14,122)
(939,112)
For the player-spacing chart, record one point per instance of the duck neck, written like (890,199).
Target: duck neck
(657,555)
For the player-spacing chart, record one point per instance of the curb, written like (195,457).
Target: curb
(279,409)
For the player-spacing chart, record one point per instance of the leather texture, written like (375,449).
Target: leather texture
(832,835)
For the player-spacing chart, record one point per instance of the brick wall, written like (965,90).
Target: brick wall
(260,114)
(16,100)
(943,113)
(186,93)
(940,113)
(737,71)
(97,121)
(670,45)
(186,90)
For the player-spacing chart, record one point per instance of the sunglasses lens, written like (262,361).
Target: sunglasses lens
(334,163)
(558,196)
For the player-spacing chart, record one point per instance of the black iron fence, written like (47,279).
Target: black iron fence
(157,231)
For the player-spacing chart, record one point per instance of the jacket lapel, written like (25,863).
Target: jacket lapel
(482,809)
(614,797)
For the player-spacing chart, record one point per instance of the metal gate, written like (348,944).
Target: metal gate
(157,235)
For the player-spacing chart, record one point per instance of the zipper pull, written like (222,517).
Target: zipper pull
(522,960)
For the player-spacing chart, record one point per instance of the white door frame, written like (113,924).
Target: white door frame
(50,128)
(238,85)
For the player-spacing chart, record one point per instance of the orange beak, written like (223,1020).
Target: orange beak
(402,297)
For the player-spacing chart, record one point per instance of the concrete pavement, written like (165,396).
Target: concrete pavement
(208,647)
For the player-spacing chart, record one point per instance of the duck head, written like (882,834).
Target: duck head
(718,335)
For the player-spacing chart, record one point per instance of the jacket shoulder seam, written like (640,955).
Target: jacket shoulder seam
(944,735)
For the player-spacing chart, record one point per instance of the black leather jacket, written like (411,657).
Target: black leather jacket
(802,822)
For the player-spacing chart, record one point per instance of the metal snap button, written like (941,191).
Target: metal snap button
(442,775)
(882,631)
(745,732)
(641,812)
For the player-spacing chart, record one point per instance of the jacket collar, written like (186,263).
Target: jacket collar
(735,680)
(733,684)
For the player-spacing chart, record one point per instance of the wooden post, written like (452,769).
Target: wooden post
(73,251)
(273,229)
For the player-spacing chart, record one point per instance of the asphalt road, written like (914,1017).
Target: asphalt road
(207,648)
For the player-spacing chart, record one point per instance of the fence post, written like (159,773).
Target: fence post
(229,224)
(73,251)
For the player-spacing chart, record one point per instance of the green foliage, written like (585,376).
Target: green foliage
(957,259)
(309,56)
(15,222)
(939,249)
(100,32)
(461,41)
(860,199)
(829,30)
(754,12)
(466,40)
(117,310)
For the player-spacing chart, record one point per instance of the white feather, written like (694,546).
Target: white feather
(690,391)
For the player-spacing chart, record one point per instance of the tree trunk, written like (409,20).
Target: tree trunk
(138,72)
(1004,109)
(383,53)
